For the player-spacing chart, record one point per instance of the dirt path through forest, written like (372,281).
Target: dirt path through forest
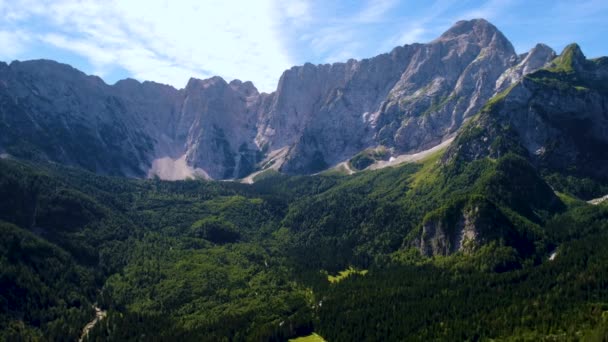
(99,315)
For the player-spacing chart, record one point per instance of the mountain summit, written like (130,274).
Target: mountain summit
(480,29)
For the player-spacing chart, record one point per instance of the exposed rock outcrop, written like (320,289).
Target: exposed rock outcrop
(53,111)
(446,236)
(540,56)
(404,101)
(558,116)
(464,227)
(408,100)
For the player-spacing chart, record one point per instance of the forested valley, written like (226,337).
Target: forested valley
(222,261)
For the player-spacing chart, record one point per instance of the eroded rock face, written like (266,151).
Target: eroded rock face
(562,129)
(558,116)
(53,111)
(217,123)
(540,56)
(407,100)
(319,111)
(442,236)
(465,227)
(447,81)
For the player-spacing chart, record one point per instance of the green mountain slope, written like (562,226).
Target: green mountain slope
(555,118)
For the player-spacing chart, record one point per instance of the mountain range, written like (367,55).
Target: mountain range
(454,190)
(398,103)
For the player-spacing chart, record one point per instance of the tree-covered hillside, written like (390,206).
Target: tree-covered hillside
(199,260)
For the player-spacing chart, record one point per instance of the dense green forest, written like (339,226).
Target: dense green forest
(223,261)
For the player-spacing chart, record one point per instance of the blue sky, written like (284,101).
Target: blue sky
(171,41)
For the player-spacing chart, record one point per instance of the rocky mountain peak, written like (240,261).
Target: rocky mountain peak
(411,99)
(540,56)
(574,50)
(476,30)
(44,65)
(245,88)
(127,83)
(466,27)
(196,83)
(49,72)
(477,37)
(571,59)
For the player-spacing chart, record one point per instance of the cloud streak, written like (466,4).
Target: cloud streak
(165,43)
(13,44)
(489,10)
(375,11)
(331,31)
(339,31)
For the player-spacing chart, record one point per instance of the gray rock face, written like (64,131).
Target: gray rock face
(446,81)
(217,124)
(558,116)
(406,100)
(52,111)
(540,56)
(440,237)
(564,129)
(463,228)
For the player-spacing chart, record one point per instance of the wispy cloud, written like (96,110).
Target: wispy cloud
(12,43)
(256,40)
(421,25)
(157,40)
(96,54)
(489,10)
(332,31)
(375,11)
(298,10)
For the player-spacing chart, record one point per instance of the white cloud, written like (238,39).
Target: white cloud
(375,10)
(296,9)
(252,40)
(439,15)
(332,32)
(12,44)
(97,55)
(413,35)
(489,10)
(160,41)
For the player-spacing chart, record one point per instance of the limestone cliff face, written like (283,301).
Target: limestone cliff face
(442,237)
(447,81)
(319,111)
(52,111)
(541,55)
(465,227)
(407,100)
(217,123)
(320,115)
(557,115)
